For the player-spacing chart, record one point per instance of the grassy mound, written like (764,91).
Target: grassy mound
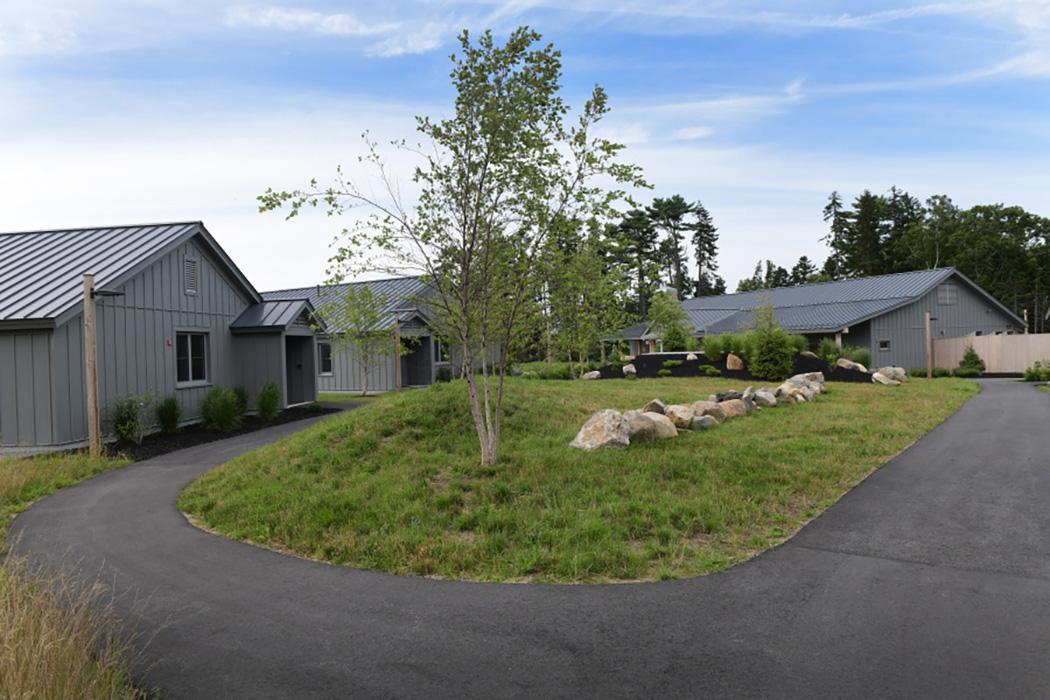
(397,486)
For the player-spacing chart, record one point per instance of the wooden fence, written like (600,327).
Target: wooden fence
(1001,353)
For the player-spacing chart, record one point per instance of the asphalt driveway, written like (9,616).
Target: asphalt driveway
(930,579)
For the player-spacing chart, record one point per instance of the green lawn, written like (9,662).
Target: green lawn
(397,486)
(25,479)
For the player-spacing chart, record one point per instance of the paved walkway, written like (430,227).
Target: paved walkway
(930,579)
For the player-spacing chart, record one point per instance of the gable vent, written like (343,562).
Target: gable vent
(191,275)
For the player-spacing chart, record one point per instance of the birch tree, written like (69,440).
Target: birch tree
(508,163)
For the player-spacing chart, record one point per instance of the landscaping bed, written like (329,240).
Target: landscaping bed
(397,485)
(649,366)
(157,444)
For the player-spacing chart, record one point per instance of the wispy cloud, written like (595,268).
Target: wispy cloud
(297,20)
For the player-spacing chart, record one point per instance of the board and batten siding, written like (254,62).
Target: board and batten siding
(346,372)
(133,335)
(260,358)
(26,389)
(904,328)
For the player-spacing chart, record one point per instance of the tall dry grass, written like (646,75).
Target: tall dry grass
(59,639)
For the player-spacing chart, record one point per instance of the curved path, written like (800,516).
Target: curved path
(930,579)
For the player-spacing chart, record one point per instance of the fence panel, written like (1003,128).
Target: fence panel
(1001,353)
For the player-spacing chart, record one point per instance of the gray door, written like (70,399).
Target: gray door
(296,356)
(415,366)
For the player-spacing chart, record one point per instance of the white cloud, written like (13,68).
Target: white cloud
(296,19)
(693,133)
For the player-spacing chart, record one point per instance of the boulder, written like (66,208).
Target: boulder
(880,378)
(727,395)
(703,422)
(896,373)
(810,355)
(604,429)
(691,357)
(709,408)
(681,415)
(797,391)
(749,404)
(591,375)
(734,362)
(640,427)
(629,369)
(733,408)
(766,398)
(663,425)
(655,406)
(850,364)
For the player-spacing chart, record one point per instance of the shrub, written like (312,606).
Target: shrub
(709,371)
(220,410)
(799,342)
(967,372)
(917,372)
(241,394)
(774,351)
(315,408)
(443,374)
(268,402)
(714,347)
(829,351)
(971,361)
(663,372)
(941,372)
(129,417)
(859,355)
(1038,372)
(169,414)
(671,364)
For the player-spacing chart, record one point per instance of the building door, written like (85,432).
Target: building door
(298,356)
(415,365)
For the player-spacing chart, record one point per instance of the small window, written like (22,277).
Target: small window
(191,275)
(947,294)
(884,345)
(440,351)
(191,357)
(324,357)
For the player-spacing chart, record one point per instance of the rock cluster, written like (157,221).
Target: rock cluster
(890,376)
(657,420)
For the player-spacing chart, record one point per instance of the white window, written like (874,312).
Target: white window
(191,358)
(884,345)
(440,351)
(191,275)
(324,357)
(947,294)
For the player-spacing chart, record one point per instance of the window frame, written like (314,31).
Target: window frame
(439,351)
(320,359)
(947,294)
(879,345)
(205,356)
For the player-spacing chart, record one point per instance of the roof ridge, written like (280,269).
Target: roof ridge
(342,284)
(84,229)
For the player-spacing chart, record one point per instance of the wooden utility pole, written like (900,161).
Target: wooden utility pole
(91,368)
(929,347)
(397,352)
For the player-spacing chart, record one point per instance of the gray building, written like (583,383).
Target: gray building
(885,313)
(404,309)
(186,319)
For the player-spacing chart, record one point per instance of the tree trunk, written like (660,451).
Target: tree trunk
(488,439)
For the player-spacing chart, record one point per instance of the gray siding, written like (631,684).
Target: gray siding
(25,389)
(347,376)
(134,331)
(905,329)
(260,358)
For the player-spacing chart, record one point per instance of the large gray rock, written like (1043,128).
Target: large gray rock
(663,425)
(681,415)
(709,408)
(727,395)
(591,375)
(810,355)
(655,406)
(880,378)
(629,369)
(734,362)
(895,373)
(765,398)
(845,363)
(640,427)
(703,422)
(734,408)
(604,429)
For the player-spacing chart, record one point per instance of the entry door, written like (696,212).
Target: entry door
(295,367)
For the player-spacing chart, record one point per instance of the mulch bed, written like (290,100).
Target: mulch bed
(191,435)
(650,364)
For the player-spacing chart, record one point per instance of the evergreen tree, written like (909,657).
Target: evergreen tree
(804,271)
(669,216)
(637,247)
(705,248)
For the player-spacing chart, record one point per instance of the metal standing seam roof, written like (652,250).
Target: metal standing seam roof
(41,272)
(824,306)
(402,295)
(275,315)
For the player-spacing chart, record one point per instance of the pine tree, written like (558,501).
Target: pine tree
(705,248)
(637,246)
(668,216)
(804,271)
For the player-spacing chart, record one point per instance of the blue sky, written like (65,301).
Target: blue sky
(132,111)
